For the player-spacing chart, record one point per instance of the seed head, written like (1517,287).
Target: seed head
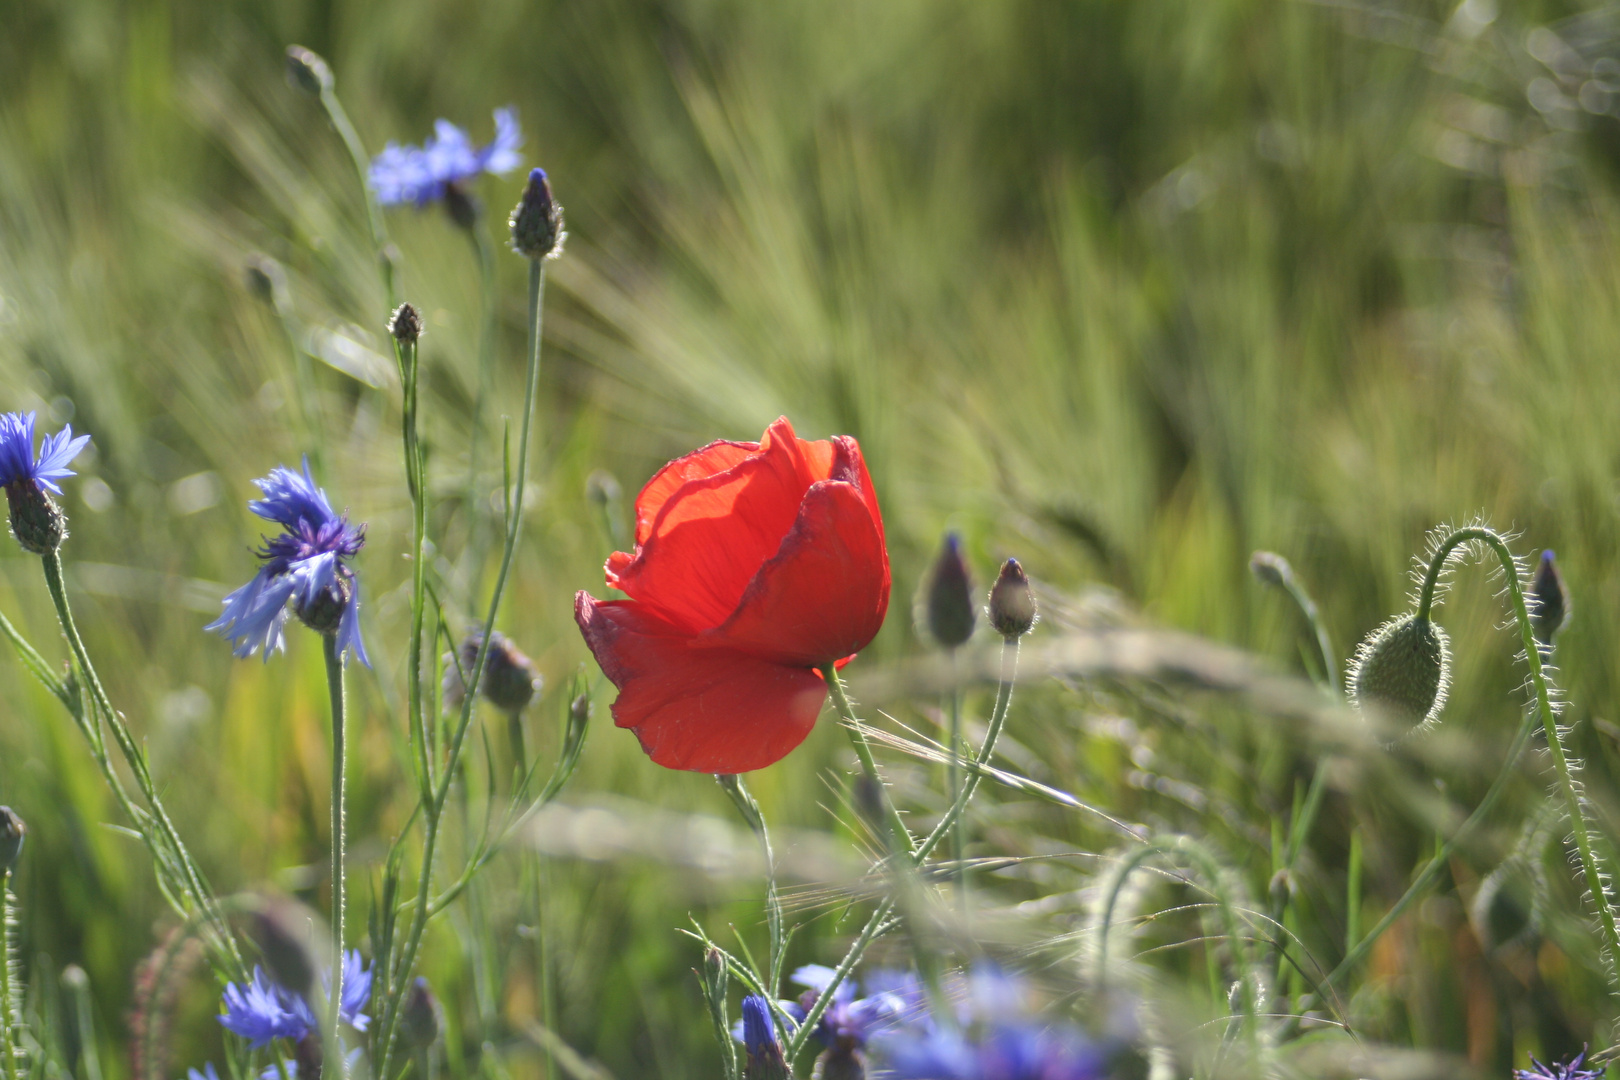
(1402,673)
(1012,609)
(306,71)
(405,324)
(537,220)
(1551,610)
(12,832)
(949,599)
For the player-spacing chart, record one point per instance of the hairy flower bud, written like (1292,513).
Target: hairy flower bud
(1012,607)
(405,324)
(36,521)
(324,614)
(419,1022)
(537,220)
(12,832)
(1507,907)
(307,71)
(1550,610)
(948,596)
(1402,672)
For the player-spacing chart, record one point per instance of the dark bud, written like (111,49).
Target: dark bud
(579,710)
(1281,888)
(602,488)
(1402,673)
(714,971)
(1505,909)
(36,521)
(867,794)
(1551,610)
(537,220)
(12,832)
(765,1061)
(842,1063)
(265,279)
(308,1057)
(464,209)
(281,929)
(405,324)
(1012,608)
(419,1022)
(306,71)
(1272,569)
(510,680)
(325,613)
(950,596)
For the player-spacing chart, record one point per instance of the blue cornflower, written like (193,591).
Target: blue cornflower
(426,173)
(36,521)
(262,1010)
(999,1042)
(304,565)
(765,1061)
(17,461)
(207,1073)
(1570,1070)
(850,1021)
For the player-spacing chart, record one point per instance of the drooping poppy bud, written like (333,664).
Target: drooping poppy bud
(949,596)
(1272,569)
(1402,673)
(12,832)
(1508,905)
(1551,607)
(537,220)
(307,71)
(1012,607)
(419,1023)
(510,679)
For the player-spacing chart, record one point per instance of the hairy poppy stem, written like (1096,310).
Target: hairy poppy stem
(863,750)
(334,686)
(10,1014)
(748,807)
(958,840)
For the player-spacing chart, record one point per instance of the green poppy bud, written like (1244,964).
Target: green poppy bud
(1402,672)
(307,71)
(1507,906)
(1272,569)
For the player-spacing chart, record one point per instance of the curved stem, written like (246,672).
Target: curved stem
(388,1031)
(10,1065)
(334,686)
(362,167)
(476,506)
(748,807)
(863,750)
(954,778)
(998,717)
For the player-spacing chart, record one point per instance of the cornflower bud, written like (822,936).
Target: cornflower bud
(1551,609)
(537,220)
(510,679)
(12,832)
(949,596)
(1012,607)
(36,521)
(405,324)
(1403,671)
(765,1061)
(281,929)
(419,1022)
(306,71)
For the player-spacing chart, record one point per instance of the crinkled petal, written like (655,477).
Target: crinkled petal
(312,576)
(291,497)
(712,534)
(704,709)
(824,594)
(55,451)
(255,614)
(348,639)
(501,156)
(819,976)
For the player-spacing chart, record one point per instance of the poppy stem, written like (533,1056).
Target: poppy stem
(954,773)
(863,750)
(477,506)
(334,686)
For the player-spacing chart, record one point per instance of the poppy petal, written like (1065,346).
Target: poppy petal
(712,534)
(702,709)
(824,593)
(717,457)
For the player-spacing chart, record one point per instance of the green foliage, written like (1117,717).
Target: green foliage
(1126,290)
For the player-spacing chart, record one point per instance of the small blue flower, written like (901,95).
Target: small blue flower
(422,174)
(765,1061)
(275,1072)
(17,461)
(850,1022)
(304,565)
(207,1073)
(262,1010)
(1570,1070)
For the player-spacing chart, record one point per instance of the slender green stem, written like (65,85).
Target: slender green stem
(477,507)
(362,167)
(416,480)
(334,686)
(389,1029)
(954,778)
(863,750)
(998,718)
(874,923)
(10,1063)
(735,787)
(1352,895)
(191,880)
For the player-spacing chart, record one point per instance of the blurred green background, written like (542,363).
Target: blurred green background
(1124,289)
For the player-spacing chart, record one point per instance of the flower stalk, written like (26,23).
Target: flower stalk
(334,686)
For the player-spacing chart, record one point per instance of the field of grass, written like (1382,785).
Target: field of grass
(1125,290)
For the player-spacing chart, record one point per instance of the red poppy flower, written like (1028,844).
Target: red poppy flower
(755,565)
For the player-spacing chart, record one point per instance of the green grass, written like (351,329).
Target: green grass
(1126,290)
